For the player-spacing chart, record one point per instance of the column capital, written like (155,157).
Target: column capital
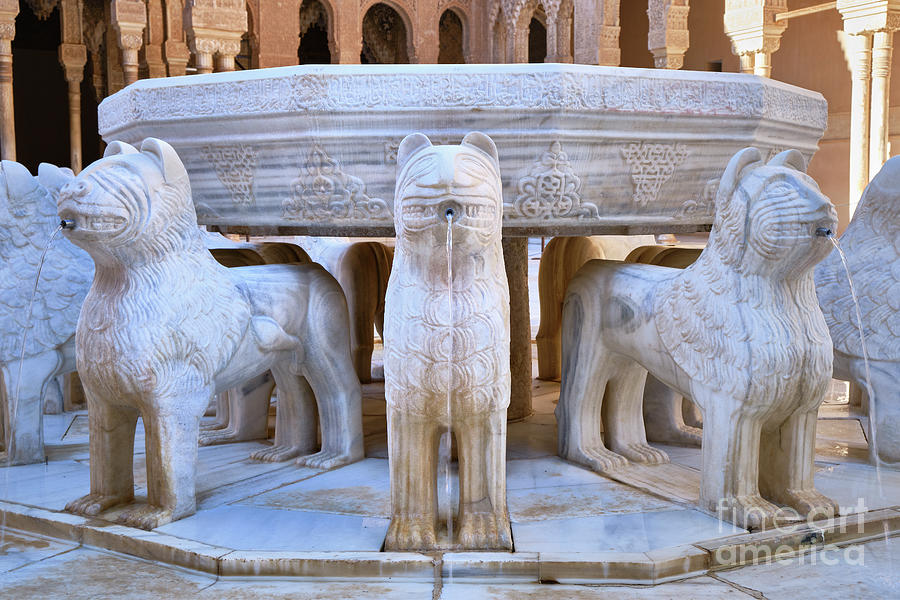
(751,25)
(129,17)
(869,16)
(73,57)
(668,37)
(8,11)
(216,26)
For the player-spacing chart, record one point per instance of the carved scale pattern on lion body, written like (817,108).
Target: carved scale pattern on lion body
(423,318)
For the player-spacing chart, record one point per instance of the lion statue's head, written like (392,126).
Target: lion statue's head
(770,217)
(131,204)
(461,183)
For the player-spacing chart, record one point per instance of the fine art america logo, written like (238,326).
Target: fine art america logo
(795,538)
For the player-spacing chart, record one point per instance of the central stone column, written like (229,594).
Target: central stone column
(515,258)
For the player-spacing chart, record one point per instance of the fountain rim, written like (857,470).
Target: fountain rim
(556,87)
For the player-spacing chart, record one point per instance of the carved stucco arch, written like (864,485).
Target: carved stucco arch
(404,12)
(460,11)
(330,27)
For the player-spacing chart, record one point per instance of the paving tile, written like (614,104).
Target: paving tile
(856,486)
(607,497)
(18,548)
(85,573)
(242,589)
(362,488)
(867,570)
(698,588)
(636,532)
(253,528)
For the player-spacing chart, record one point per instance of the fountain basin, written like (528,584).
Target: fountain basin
(583,149)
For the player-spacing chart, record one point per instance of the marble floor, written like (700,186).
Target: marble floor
(555,507)
(32,566)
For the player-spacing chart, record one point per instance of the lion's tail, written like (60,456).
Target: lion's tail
(581,316)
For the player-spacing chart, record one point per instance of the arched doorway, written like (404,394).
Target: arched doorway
(384,37)
(314,48)
(450,33)
(40,91)
(537,41)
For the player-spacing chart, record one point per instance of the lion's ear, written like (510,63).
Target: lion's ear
(409,146)
(165,156)
(54,178)
(734,171)
(789,158)
(119,148)
(484,143)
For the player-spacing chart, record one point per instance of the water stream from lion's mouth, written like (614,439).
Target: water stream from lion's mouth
(446,454)
(865,352)
(13,403)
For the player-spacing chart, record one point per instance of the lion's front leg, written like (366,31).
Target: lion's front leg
(413,442)
(729,483)
(172,429)
(483,515)
(112,456)
(787,466)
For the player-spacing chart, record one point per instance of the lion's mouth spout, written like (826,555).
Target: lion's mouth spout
(72,220)
(824,232)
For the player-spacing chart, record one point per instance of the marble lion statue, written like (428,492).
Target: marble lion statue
(27,221)
(739,331)
(430,359)
(871,243)
(164,327)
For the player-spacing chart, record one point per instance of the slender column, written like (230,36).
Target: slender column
(882,49)
(203,50)
(73,57)
(747,62)
(515,258)
(762,64)
(552,43)
(129,17)
(7,116)
(8,11)
(564,39)
(861,68)
(227,50)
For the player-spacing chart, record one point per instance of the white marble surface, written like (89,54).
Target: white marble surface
(18,548)
(698,588)
(850,485)
(859,571)
(256,528)
(636,532)
(362,488)
(680,129)
(564,502)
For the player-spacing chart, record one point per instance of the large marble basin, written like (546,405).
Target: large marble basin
(583,149)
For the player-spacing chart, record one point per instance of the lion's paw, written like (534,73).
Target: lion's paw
(599,459)
(644,454)
(810,503)
(215,426)
(485,531)
(94,504)
(217,436)
(327,459)
(276,454)
(753,512)
(411,533)
(146,516)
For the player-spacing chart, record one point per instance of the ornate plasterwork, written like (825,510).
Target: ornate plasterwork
(576,88)
(235,166)
(323,191)
(551,189)
(652,165)
(42,9)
